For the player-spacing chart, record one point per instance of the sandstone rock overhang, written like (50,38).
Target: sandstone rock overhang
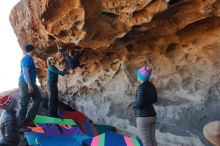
(178,38)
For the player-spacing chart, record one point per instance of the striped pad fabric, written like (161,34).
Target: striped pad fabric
(131,141)
(39,119)
(112,139)
(98,140)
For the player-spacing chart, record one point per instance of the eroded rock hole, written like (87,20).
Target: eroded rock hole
(171,47)
(63,33)
(108,54)
(130,46)
(52,6)
(172,2)
(109,14)
(50,37)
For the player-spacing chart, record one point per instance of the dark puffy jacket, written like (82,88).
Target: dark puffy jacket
(73,61)
(146,95)
(9,133)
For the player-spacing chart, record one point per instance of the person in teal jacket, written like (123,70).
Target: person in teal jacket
(52,80)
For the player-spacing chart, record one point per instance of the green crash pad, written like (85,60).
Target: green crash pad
(104,128)
(39,119)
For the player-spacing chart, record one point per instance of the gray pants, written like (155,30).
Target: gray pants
(146,130)
(25,115)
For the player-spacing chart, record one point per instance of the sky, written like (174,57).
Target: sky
(10,51)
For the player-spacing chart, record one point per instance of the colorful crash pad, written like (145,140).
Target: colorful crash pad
(112,139)
(89,128)
(33,138)
(82,121)
(57,141)
(80,138)
(104,128)
(92,130)
(44,119)
(57,130)
(77,116)
(87,125)
(54,130)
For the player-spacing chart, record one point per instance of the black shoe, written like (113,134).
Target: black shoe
(30,124)
(24,129)
(54,116)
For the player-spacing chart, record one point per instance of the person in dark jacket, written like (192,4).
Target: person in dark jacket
(52,80)
(145,113)
(72,59)
(9,133)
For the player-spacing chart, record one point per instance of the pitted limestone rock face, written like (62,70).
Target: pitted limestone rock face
(178,38)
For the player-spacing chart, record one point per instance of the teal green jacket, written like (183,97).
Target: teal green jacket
(52,75)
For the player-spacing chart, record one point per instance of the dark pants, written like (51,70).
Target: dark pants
(25,114)
(53,101)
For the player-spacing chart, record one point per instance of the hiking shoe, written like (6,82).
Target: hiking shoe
(30,124)
(24,129)
(54,116)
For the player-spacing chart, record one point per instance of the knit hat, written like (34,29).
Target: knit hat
(29,48)
(144,73)
(7,102)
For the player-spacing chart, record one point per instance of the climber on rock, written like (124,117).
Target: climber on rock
(52,80)
(73,58)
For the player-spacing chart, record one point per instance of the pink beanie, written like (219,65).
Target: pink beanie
(144,73)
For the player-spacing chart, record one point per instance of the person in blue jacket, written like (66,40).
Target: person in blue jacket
(28,90)
(52,80)
(72,59)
